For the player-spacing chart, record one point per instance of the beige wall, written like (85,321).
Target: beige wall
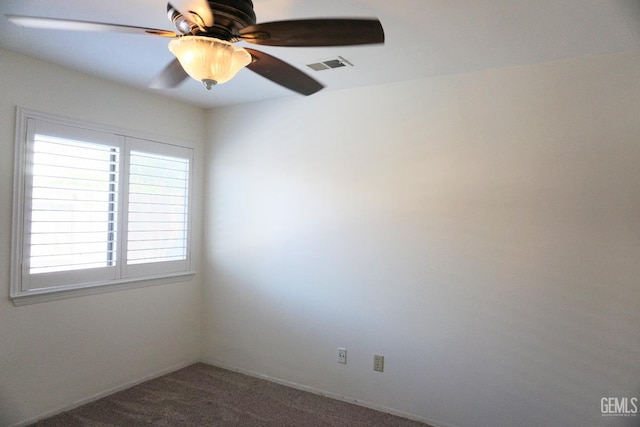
(55,354)
(482,231)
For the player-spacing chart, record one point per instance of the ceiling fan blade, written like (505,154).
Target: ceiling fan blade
(282,73)
(68,24)
(195,7)
(172,75)
(315,32)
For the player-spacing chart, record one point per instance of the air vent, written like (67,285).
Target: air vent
(330,63)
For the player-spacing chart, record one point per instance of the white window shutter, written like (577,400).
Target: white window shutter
(158,214)
(95,208)
(70,222)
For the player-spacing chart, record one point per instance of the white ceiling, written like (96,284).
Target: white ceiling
(423,38)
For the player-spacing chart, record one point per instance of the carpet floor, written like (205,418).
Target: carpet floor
(205,395)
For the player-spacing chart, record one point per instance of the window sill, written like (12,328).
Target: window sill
(53,294)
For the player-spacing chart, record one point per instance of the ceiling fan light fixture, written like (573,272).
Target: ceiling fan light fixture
(209,60)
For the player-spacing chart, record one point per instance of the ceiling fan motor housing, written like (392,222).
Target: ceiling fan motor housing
(229,17)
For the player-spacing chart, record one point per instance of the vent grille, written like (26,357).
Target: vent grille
(328,64)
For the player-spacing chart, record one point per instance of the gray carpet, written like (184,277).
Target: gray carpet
(204,395)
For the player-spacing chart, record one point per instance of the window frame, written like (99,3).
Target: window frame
(22,293)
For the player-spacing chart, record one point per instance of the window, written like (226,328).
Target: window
(95,208)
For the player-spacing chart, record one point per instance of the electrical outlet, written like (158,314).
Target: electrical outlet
(378,362)
(342,355)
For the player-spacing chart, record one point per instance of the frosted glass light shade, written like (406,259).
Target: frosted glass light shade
(209,60)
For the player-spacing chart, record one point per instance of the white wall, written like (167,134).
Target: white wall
(482,231)
(57,353)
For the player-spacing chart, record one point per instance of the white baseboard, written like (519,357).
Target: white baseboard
(325,393)
(105,393)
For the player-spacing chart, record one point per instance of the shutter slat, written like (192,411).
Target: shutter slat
(73,216)
(157,212)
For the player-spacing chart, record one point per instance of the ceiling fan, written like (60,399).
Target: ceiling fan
(205,33)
